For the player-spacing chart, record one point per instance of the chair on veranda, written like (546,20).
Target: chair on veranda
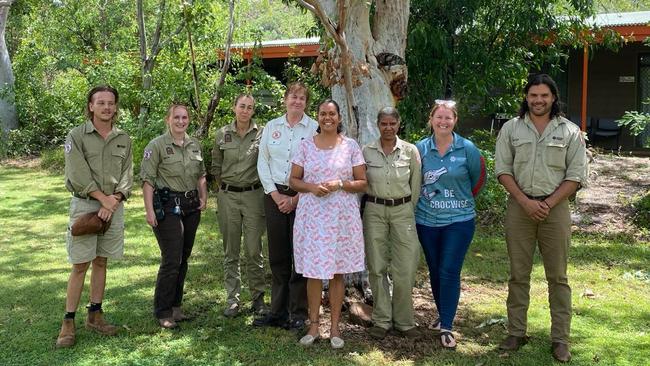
(606,128)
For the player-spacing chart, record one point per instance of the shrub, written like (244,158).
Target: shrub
(641,216)
(491,203)
(53,160)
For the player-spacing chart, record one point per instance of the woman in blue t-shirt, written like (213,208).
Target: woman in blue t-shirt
(453,173)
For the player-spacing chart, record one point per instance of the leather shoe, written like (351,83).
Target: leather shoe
(294,324)
(561,352)
(179,315)
(411,333)
(268,320)
(167,323)
(377,332)
(513,343)
(232,310)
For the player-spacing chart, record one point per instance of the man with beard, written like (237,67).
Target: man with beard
(540,160)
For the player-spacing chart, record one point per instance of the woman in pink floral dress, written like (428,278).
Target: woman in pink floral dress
(328,171)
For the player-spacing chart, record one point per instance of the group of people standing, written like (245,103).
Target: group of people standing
(300,179)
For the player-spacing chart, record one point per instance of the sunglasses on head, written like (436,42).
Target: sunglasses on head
(446,103)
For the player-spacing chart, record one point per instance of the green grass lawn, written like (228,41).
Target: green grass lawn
(609,328)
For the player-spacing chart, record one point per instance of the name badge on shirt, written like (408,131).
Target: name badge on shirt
(227,137)
(169,150)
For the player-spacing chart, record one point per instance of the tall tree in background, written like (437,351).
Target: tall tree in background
(365,67)
(475,53)
(8,117)
(149,50)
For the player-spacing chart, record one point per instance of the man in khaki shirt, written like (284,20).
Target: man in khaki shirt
(540,160)
(392,247)
(240,205)
(99,174)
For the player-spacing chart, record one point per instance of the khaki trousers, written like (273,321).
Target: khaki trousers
(553,237)
(242,212)
(392,250)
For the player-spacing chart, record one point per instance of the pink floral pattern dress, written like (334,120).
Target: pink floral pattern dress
(327,232)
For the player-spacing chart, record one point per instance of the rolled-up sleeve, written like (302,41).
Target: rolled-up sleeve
(576,160)
(217,157)
(263,163)
(77,172)
(125,183)
(149,165)
(503,155)
(416,175)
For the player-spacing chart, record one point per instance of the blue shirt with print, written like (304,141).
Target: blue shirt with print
(449,182)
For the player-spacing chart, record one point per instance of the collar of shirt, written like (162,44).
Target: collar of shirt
(170,140)
(232,127)
(457,143)
(550,127)
(89,127)
(284,121)
(399,145)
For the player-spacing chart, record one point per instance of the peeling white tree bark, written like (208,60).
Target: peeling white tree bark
(372,89)
(8,118)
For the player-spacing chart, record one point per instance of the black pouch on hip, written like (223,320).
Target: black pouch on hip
(158,206)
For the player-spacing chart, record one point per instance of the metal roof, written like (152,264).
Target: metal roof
(621,19)
(282,42)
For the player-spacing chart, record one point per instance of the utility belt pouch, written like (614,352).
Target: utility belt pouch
(158,205)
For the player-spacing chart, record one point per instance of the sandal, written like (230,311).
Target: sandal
(447,340)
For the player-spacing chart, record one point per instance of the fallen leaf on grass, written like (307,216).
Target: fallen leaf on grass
(126,327)
(491,322)
(588,294)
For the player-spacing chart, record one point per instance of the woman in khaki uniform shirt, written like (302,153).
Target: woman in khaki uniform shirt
(172,171)
(240,202)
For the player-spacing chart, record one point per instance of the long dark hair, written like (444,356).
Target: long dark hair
(539,79)
(339,127)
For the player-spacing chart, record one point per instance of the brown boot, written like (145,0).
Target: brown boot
(561,352)
(96,322)
(66,335)
(178,315)
(513,343)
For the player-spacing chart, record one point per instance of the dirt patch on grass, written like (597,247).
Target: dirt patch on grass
(605,205)
(22,162)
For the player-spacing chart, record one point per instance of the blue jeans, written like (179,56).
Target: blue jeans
(444,249)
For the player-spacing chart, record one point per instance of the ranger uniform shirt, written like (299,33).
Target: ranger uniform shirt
(539,164)
(278,145)
(93,163)
(234,158)
(395,175)
(166,164)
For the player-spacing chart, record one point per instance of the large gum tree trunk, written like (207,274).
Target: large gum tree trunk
(380,71)
(8,117)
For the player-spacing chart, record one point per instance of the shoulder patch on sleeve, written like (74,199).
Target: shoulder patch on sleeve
(147,154)
(67,147)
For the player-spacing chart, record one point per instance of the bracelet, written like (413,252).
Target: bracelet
(291,200)
(341,184)
(546,203)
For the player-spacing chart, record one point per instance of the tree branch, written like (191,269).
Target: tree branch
(202,132)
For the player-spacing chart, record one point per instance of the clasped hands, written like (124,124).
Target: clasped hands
(537,210)
(109,205)
(325,188)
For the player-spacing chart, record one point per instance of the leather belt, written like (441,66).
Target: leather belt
(189,194)
(75,194)
(538,198)
(229,188)
(389,201)
(285,190)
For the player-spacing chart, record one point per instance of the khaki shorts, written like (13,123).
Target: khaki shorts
(85,248)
